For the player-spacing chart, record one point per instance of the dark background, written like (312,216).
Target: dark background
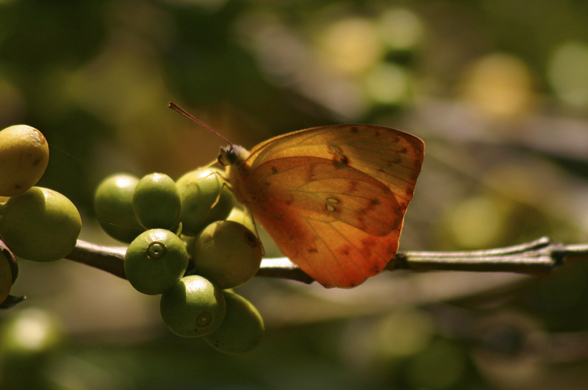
(497,89)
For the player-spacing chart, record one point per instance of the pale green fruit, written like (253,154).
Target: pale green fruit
(40,225)
(227,253)
(193,307)
(157,202)
(243,217)
(113,203)
(155,261)
(242,328)
(24,155)
(199,190)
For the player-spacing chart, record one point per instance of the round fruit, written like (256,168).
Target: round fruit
(243,217)
(155,261)
(199,190)
(227,253)
(242,328)
(40,225)
(193,307)
(24,155)
(157,202)
(113,203)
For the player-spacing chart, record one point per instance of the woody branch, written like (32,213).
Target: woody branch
(538,257)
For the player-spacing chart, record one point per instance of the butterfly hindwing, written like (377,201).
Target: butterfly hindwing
(335,254)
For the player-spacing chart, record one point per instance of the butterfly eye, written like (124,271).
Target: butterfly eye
(224,158)
(232,154)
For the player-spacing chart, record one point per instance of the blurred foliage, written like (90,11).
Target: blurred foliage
(497,89)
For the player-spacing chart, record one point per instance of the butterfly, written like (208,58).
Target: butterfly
(333,198)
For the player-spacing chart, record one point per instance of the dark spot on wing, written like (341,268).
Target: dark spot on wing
(354,130)
(338,155)
(360,222)
(345,250)
(368,242)
(290,200)
(274,169)
(391,162)
(310,175)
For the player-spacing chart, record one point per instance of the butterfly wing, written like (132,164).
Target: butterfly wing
(333,198)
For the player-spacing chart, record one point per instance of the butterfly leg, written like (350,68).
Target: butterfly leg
(220,192)
(257,234)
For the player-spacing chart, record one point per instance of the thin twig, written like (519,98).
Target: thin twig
(538,257)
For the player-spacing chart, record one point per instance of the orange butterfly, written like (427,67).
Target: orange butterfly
(333,198)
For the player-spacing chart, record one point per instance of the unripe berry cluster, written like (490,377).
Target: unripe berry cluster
(187,240)
(188,244)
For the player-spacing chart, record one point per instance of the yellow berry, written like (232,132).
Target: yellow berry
(40,225)
(227,253)
(24,155)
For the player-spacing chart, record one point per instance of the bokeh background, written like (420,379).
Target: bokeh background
(497,89)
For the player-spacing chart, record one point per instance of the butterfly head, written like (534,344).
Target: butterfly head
(232,155)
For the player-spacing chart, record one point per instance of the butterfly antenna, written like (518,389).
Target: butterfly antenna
(185,113)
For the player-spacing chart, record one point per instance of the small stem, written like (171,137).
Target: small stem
(106,258)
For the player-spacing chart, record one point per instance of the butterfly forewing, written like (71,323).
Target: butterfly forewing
(333,198)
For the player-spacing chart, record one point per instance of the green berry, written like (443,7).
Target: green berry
(40,225)
(193,307)
(243,217)
(155,261)
(242,328)
(24,155)
(113,203)
(227,253)
(157,202)
(199,190)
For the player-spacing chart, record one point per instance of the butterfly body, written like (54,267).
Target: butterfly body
(333,198)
